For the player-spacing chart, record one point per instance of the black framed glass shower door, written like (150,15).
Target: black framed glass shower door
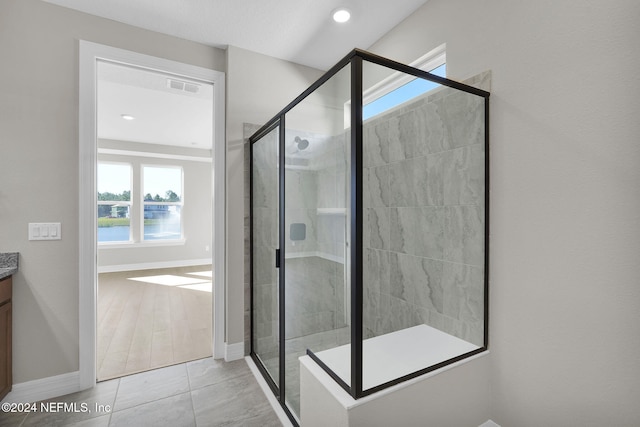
(265,243)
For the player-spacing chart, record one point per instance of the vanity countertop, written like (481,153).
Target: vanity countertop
(8,264)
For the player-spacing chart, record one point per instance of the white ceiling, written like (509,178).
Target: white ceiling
(162,115)
(300,31)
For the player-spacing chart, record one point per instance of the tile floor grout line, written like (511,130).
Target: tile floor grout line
(193,408)
(114,402)
(152,401)
(148,403)
(23,420)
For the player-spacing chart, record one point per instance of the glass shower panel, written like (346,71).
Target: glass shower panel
(423,229)
(316,195)
(265,235)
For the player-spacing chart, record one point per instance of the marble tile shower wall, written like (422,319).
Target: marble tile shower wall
(314,303)
(332,166)
(424,216)
(301,194)
(314,284)
(265,229)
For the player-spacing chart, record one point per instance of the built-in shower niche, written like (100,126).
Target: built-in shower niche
(382,229)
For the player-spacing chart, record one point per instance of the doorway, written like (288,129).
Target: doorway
(155,222)
(154,213)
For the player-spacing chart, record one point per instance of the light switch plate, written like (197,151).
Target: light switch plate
(45,231)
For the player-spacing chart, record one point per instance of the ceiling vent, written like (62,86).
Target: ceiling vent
(191,88)
(183,86)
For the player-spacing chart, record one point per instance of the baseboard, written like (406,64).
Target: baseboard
(153,265)
(489,423)
(233,351)
(44,388)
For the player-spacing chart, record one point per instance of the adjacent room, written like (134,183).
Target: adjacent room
(154,216)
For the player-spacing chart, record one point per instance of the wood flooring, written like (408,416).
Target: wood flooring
(153,318)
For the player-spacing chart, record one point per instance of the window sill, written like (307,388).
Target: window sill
(145,244)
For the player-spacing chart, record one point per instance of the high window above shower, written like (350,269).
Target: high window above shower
(369,242)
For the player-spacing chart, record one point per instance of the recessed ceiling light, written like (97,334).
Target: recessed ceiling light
(341,15)
(127,116)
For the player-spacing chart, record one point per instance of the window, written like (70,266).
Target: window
(114,202)
(402,94)
(398,87)
(162,201)
(148,208)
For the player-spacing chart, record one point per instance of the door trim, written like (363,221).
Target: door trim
(89,53)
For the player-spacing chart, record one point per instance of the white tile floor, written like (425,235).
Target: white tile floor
(204,392)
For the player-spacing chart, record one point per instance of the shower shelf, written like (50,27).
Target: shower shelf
(332,211)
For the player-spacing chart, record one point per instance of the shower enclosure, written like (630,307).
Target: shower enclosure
(369,228)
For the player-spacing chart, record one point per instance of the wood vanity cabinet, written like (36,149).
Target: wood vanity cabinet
(5,336)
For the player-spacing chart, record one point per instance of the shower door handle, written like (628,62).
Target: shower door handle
(277,258)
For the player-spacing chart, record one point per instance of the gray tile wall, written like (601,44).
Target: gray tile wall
(424,215)
(314,289)
(314,284)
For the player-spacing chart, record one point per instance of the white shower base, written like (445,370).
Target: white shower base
(391,356)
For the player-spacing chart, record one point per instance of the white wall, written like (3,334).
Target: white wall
(39,165)
(258,87)
(196,212)
(457,396)
(565,197)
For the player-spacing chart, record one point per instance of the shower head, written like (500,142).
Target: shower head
(301,143)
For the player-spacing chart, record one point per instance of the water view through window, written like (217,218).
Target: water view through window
(162,189)
(114,202)
(159,205)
